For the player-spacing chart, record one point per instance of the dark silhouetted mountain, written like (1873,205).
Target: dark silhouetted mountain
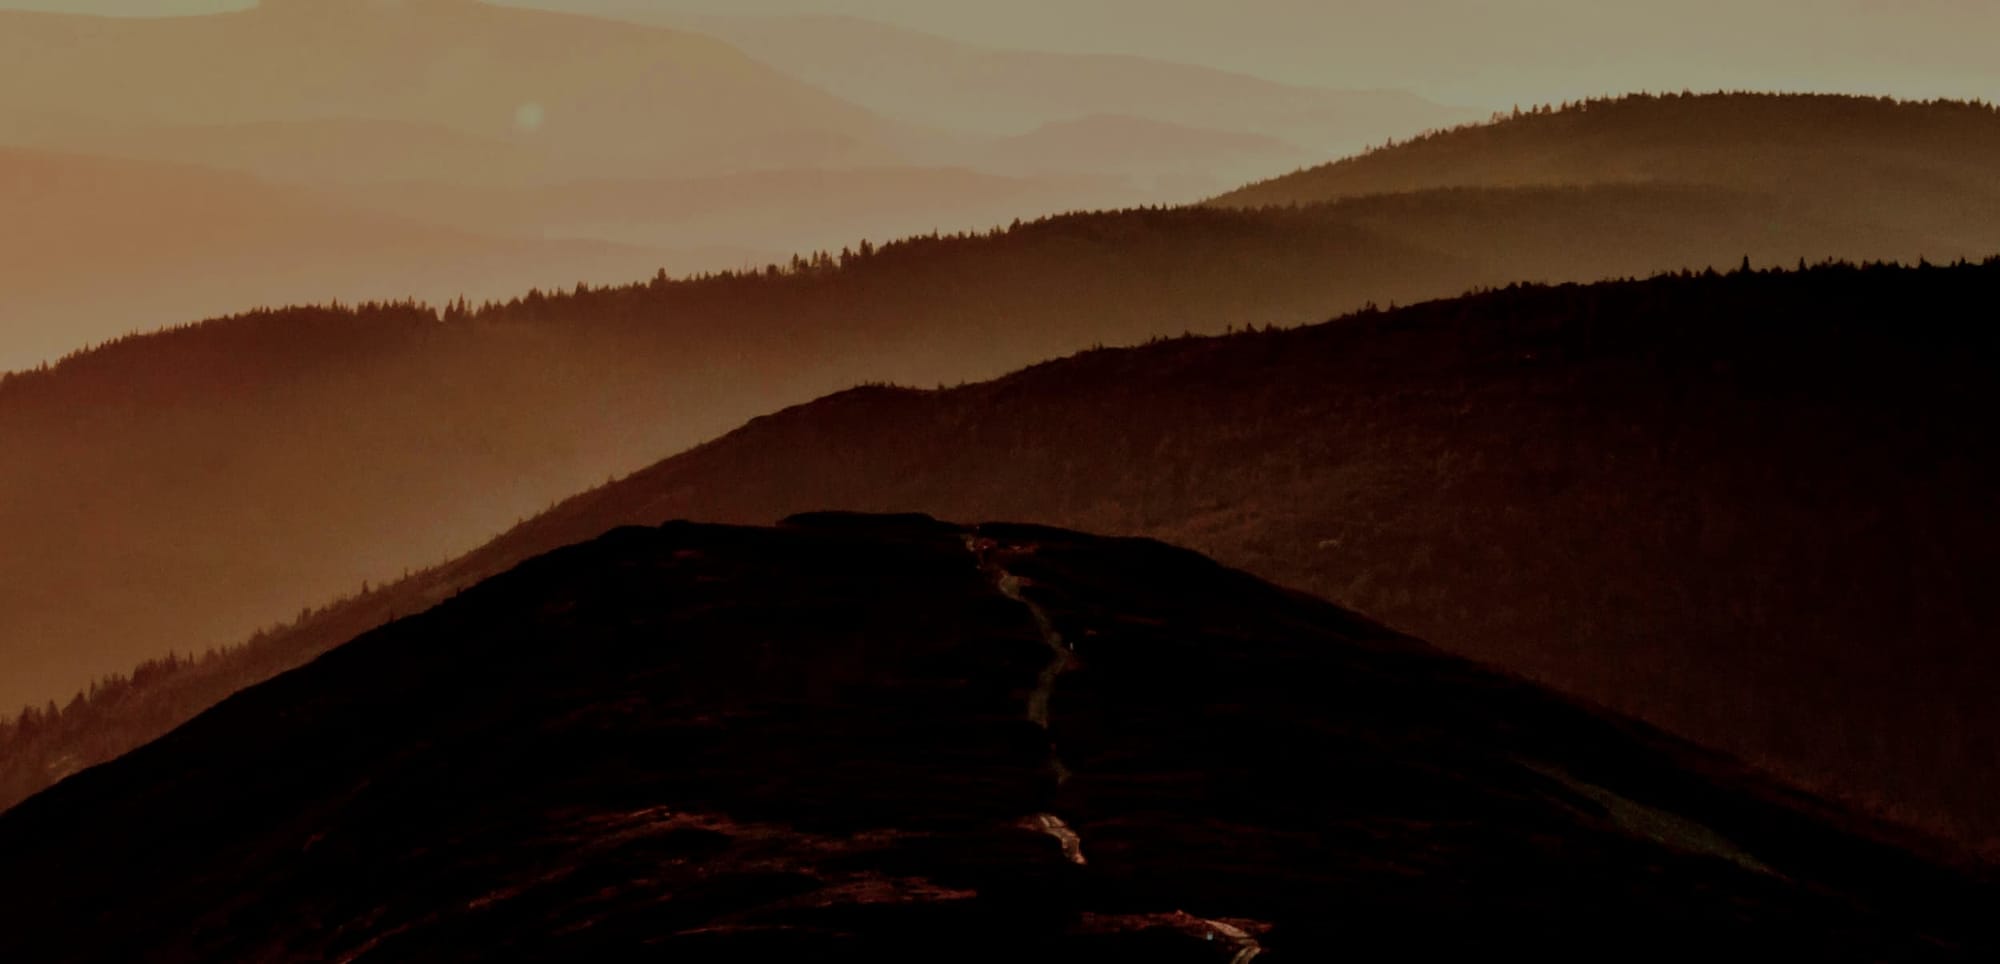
(890,739)
(1753,508)
(1932,165)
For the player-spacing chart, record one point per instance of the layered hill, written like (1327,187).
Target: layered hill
(771,211)
(1750,508)
(320,152)
(102,246)
(1174,158)
(890,738)
(313,450)
(952,85)
(1854,157)
(96,248)
(434,150)
(1487,54)
(338,106)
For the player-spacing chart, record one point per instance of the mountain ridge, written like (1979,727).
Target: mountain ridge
(1422,534)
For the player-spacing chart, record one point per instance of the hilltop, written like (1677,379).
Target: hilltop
(885,738)
(1890,162)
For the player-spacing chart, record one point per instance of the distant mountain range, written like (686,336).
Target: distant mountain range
(443,149)
(751,211)
(102,247)
(584,94)
(1171,159)
(96,248)
(952,85)
(888,738)
(1478,52)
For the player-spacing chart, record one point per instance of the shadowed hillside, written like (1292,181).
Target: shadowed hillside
(1752,508)
(880,738)
(285,457)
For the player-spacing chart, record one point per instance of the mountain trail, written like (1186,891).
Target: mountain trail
(986,552)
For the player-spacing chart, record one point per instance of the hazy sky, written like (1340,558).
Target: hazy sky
(1476,52)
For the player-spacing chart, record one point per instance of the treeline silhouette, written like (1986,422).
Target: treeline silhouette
(1751,507)
(40,745)
(1901,161)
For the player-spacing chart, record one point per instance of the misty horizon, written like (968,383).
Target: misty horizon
(1460,51)
(1066,480)
(500,196)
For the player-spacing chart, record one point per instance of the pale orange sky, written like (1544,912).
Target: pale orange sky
(1474,52)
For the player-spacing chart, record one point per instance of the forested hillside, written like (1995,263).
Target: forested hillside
(197,484)
(1752,507)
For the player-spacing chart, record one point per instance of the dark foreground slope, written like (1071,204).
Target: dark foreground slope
(893,739)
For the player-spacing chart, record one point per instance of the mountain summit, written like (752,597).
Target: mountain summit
(894,739)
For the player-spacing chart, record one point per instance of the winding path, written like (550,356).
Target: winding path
(1062,658)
